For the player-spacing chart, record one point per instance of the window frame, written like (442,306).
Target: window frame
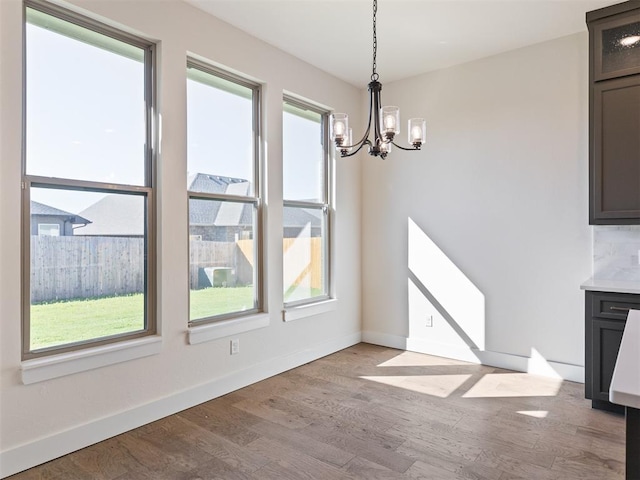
(255,199)
(148,190)
(325,204)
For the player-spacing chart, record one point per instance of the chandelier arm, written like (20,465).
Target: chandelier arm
(365,138)
(404,148)
(375,111)
(362,144)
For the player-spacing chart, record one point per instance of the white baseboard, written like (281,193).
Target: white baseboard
(29,455)
(534,364)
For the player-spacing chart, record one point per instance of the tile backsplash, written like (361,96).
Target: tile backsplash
(615,253)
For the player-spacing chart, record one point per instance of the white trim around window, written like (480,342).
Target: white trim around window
(54,366)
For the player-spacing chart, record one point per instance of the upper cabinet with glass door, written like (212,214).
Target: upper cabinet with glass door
(616,42)
(614,115)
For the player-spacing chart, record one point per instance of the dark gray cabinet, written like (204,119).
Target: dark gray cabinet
(614,114)
(605,318)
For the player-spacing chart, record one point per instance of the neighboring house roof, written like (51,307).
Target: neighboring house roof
(232,214)
(43,210)
(202,182)
(115,215)
(299,217)
(220,214)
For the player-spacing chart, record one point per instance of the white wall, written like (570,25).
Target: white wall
(52,417)
(490,219)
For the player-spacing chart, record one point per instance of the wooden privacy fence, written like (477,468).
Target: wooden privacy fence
(239,256)
(301,266)
(206,254)
(63,268)
(302,261)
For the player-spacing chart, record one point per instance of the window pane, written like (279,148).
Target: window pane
(304,247)
(303,155)
(220,136)
(88,280)
(53,230)
(222,248)
(85,104)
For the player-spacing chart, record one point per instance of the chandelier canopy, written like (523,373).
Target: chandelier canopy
(385,120)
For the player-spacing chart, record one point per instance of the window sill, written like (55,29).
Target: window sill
(303,311)
(226,328)
(41,369)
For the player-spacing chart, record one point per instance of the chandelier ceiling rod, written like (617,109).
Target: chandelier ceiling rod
(386,120)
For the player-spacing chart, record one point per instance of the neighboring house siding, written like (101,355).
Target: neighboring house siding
(65,227)
(42,214)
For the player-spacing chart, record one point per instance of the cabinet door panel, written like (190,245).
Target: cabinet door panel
(616,150)
(606,337)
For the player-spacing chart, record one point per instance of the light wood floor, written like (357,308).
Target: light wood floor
(370,412)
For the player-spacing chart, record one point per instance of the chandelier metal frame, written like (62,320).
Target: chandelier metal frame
(385,119)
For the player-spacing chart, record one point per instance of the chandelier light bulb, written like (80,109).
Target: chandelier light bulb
(390,120)
(417,131)
(339,128)
(416,134)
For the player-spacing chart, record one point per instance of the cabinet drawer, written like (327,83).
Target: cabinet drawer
(613,306)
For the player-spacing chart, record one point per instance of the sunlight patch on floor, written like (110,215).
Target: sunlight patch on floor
(440,386)
(514,385)
(534,413)
(412,359)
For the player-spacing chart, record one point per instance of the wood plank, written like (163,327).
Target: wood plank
(107,462)
(362,468)
(293,460)
(315,448)
(395,461)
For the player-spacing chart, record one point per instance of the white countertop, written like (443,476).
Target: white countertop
(616,286)
(625,384)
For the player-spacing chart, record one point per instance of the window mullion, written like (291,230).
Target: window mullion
(223,197)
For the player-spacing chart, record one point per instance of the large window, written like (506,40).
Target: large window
(306,204)
(88,199)
(224,188)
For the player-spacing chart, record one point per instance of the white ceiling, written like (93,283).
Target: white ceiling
(414,36)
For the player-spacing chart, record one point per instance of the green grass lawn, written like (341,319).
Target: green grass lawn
(57,323)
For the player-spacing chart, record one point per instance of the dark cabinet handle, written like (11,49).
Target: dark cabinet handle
(620,309)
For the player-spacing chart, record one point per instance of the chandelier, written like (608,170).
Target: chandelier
(385,120)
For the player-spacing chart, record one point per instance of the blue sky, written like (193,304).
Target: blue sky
(85,120)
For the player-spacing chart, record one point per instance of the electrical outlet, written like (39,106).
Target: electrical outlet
(429,321)
(235,346)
